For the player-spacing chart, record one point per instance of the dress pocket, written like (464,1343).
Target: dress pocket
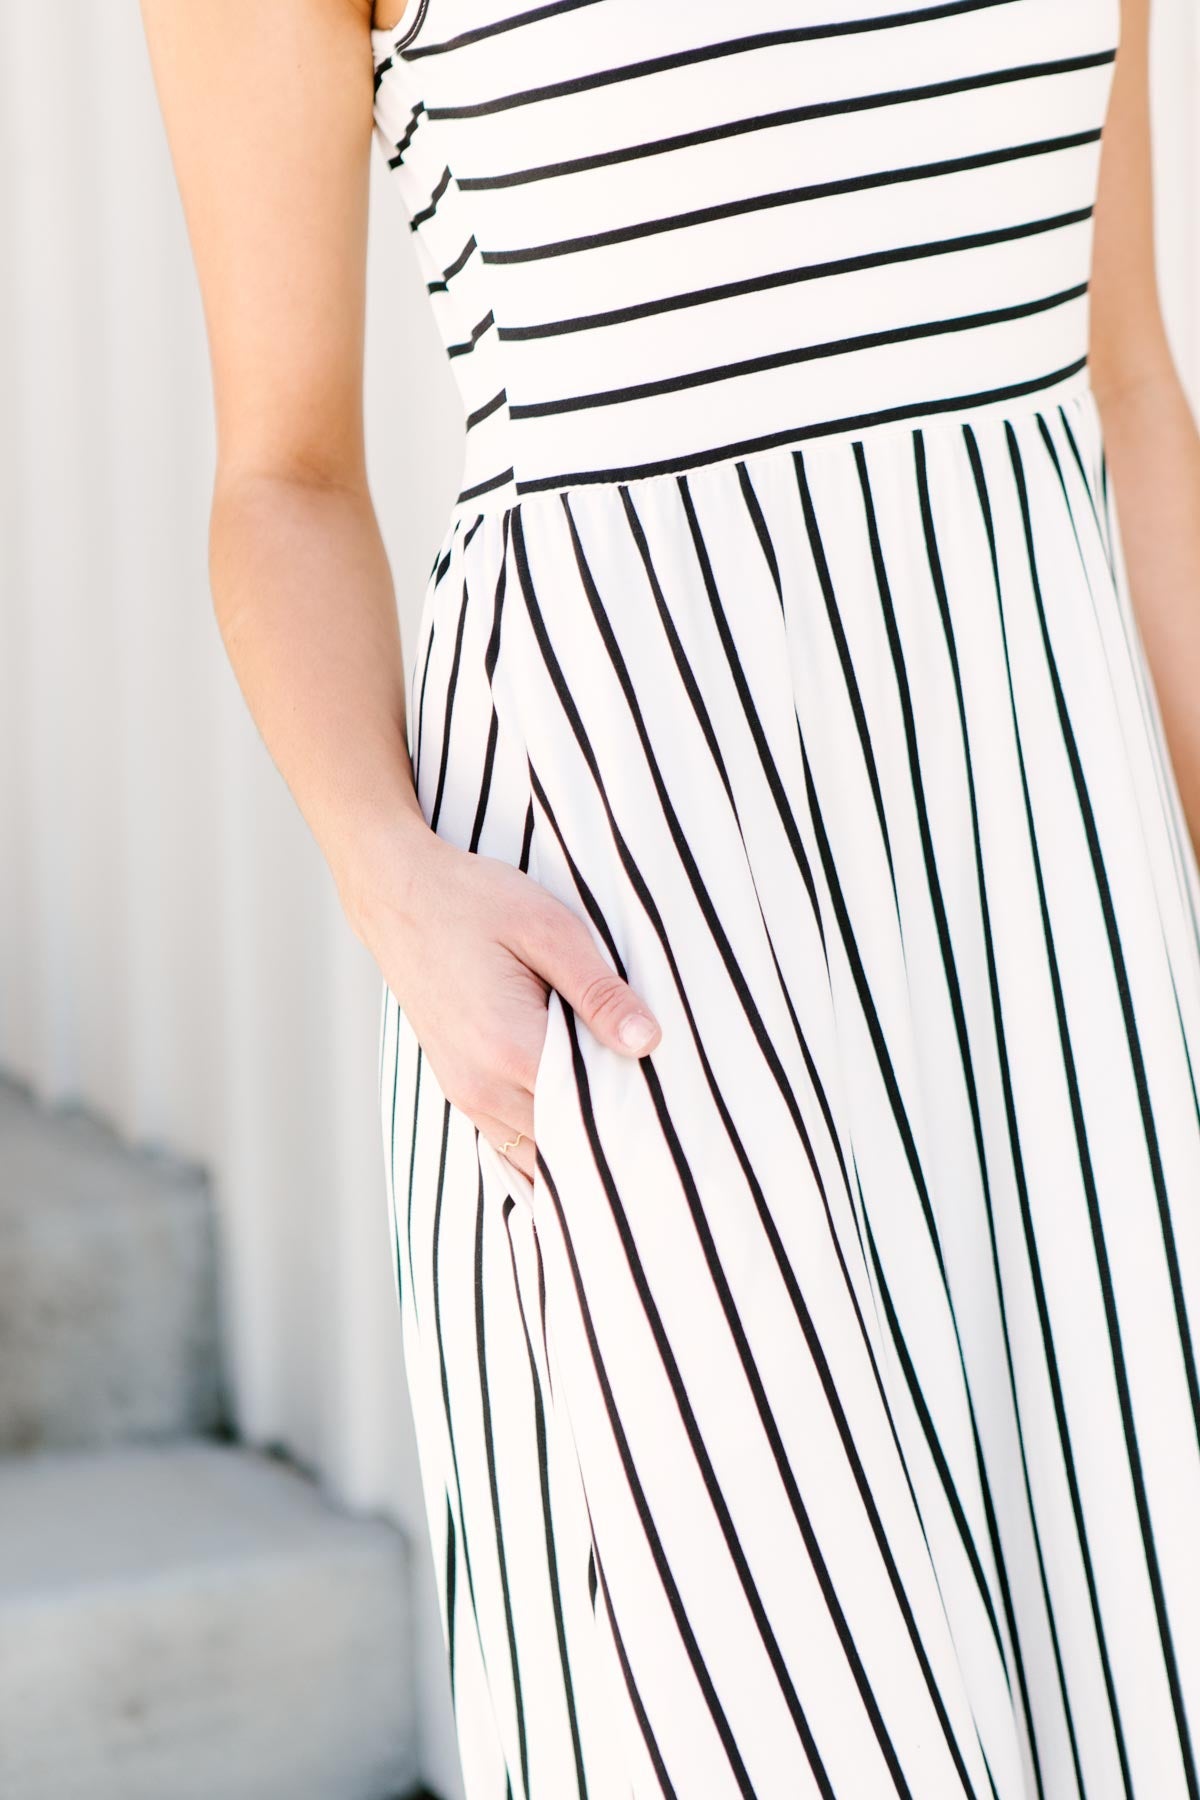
(532,1193)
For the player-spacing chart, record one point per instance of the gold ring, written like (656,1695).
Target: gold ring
(504,1148)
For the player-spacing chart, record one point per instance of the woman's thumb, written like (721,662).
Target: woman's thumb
(607,1005)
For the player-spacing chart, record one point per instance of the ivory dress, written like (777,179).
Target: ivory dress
(824,1418)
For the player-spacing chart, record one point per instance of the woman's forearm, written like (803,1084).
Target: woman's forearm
(469,944)
(1153,451)
(304,600)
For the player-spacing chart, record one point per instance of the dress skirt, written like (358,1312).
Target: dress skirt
(824,1417)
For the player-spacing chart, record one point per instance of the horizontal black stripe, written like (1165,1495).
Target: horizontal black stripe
(408,27)
(477,332)
(816,190)
(835,28)
(487,409)
(485,487)
(517,22)
(558,90)
(757,284)
(428,210)
(452,269)
(460,260)
(698,459)
(403,142)
(802,353)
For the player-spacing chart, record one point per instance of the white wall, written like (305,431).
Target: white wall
(171,950)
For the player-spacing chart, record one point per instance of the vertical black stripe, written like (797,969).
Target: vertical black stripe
(1137,1062)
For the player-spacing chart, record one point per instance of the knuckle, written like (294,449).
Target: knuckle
(541,922)
(603,995)
(555,935)
(505,1060)
(472,1092)
(497,1066)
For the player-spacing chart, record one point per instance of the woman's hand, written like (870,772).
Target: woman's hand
(470,946)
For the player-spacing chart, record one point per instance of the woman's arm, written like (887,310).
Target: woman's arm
(268,111)
(1152,442)
(268,118)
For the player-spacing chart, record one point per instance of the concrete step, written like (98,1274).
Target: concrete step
(109,1326)
(197,1622)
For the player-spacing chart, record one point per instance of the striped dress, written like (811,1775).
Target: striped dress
(824,1418)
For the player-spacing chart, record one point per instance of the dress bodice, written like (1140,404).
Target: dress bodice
(658,234)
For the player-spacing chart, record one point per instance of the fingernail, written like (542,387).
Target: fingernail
(636,1031)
